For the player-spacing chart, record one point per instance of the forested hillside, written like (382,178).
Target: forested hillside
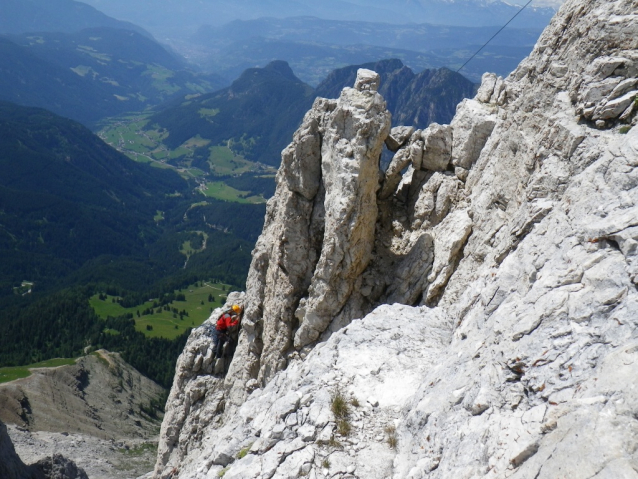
(68,197)
(257,114)
(78,218)
(94,73)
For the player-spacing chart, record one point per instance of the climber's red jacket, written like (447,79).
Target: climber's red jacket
(226,321)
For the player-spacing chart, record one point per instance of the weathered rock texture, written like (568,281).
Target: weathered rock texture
(510,238)
(55,467)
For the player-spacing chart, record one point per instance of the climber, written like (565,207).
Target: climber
(225,326)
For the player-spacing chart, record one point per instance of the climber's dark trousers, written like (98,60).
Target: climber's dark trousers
(219,339)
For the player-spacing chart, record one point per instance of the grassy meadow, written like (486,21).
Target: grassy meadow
(19,372)
(221,191)
(168,324)
(130,136)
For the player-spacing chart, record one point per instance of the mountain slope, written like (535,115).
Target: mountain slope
(100,395)
(31,81)
(255,114)
(70,408)
(94,73)
(20,16)
(68,197)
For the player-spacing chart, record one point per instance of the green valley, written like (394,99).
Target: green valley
(195,157)
(193,306)
(80,221)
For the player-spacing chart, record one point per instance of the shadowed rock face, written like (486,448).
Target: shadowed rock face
(509,237)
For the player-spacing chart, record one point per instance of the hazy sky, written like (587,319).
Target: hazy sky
(538,3)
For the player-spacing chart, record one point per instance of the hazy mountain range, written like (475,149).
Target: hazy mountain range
(166,18)
(225,38)
(315,46)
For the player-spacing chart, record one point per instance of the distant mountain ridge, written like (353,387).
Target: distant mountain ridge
(425,36)
(414,99)
(315,46)
(168,18)
(256,116)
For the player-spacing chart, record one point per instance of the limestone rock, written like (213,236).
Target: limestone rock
(472,125)
(11,467)
(58,467)
(449,238)
(493,88)
(398,136)
(411,154)
(434,200)
(613,107)
(350,152)
(367,80)
(437,147)
(514,352)
(609,87)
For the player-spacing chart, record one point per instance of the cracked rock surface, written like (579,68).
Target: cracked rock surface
(477,308)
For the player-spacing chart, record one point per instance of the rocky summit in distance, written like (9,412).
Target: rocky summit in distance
(470,313)
(99,413)
(415,99)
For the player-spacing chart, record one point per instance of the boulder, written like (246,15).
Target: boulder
(398,136)
(367,80)
(471,127)
(437,147)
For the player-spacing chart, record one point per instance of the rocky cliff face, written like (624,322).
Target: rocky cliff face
(475,305)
